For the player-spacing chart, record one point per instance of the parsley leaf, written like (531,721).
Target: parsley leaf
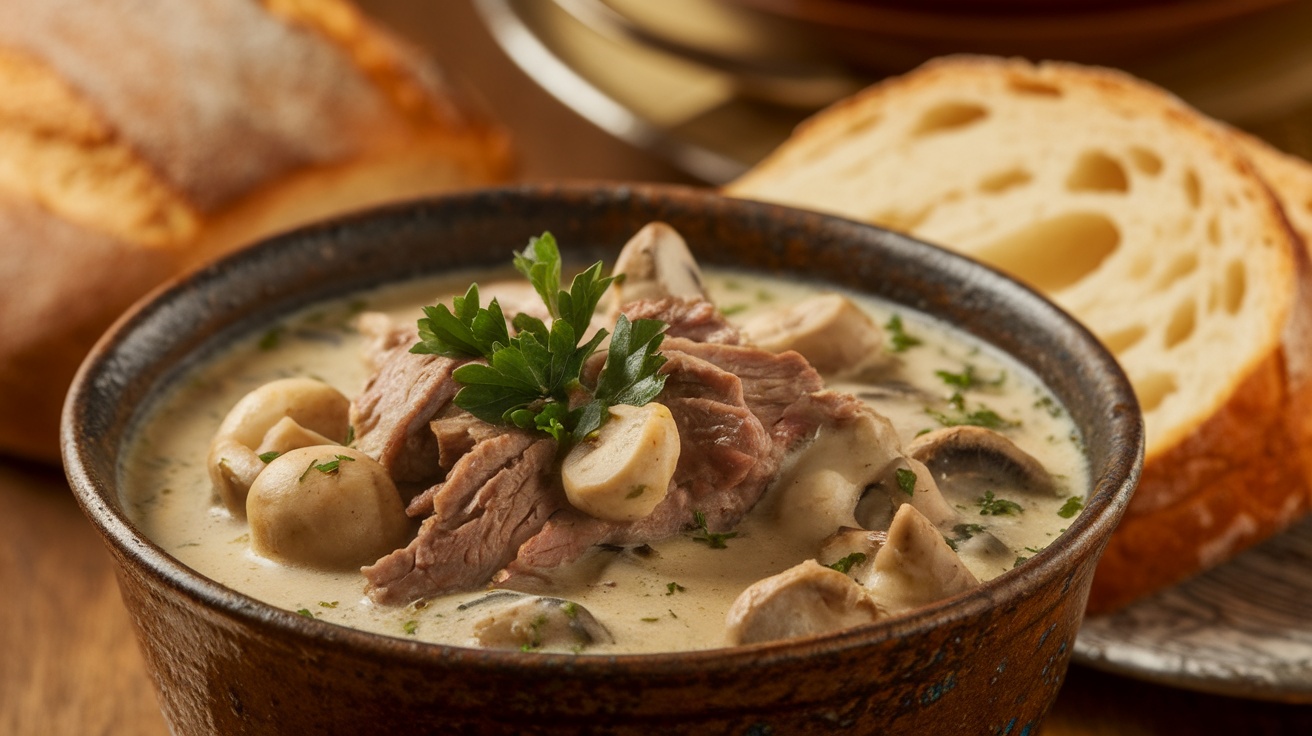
(532,379)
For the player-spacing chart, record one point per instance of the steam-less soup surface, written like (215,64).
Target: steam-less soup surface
(675,593)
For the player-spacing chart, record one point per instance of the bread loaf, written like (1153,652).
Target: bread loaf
(1143,219)
(140,139)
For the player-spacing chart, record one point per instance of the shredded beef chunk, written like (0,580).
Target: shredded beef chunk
(729,454)
(693,319)
(391,416)
(462,547)
(472,471)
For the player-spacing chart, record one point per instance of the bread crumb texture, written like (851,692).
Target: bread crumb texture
(1143,219)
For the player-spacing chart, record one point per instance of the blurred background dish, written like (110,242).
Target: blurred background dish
(713,85)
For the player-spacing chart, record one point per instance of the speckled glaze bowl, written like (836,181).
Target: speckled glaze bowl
(989,661)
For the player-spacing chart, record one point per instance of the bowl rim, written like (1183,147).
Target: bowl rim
(1109,492)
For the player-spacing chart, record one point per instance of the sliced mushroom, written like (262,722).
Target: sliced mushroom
(656,263)
(538,622)
(830,330)
(623,473)
(915,567)
(972,460)
(326,507)
(279,416)
(847,477)
(804,600)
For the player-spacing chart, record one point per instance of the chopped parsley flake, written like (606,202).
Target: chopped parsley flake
(714,540)
(329,468)
(1073,506)
(271,339)
(410,627)
(327,604)
(672,588)
(991,505)
(305,612)
(906,480)
(268,457)
(733,309)
(846,564)
(900,339)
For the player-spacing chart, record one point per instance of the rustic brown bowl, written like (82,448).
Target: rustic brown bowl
(989,661)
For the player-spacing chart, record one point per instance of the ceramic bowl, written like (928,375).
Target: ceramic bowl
(989,661)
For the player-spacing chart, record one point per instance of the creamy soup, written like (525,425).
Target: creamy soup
(673,594)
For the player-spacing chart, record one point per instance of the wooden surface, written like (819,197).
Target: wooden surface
(68,660)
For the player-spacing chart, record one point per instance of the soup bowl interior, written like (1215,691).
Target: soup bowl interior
(990,660)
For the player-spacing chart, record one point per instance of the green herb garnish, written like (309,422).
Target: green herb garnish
(981,417)
(528,380)
(846,564)
(268,457)
(328,604)
(672,588)
(901,340)
(991,505)
(410,627)
(1073,506)
(271,339)
(906,480)
(305,612)
(714,540)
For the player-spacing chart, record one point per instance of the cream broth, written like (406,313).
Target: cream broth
(674,597)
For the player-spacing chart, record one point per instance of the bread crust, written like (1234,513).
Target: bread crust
(141,139)
(1238,470)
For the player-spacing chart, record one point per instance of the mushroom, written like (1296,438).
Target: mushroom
(625,471)
(277,417)
(539,622)
(974,459)
(804,600)
(915,566)
(848,477)
(656,263)
(834,334)
(327,507)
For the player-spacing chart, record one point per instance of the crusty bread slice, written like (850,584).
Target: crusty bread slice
(1143,219)
(139,139)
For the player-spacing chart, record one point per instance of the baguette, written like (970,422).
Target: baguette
(1143,219)
(139,140)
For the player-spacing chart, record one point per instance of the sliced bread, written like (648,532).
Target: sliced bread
(1142,218)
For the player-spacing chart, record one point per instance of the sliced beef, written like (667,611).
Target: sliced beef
(728,457)
(463,547)
(693,319)
(475,468)
(457,431)
(391,416)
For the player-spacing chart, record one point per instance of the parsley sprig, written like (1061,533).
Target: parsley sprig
(528,379)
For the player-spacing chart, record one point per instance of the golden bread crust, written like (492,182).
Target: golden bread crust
(140,139)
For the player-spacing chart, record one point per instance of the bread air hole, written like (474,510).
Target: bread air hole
(1153,389)
(1181,326)
(1001,181)
(1193,189)
(1145,161)
(1053,254)
(1182,265)
(1097,172)
(1213,231)
(1032,87)
(1234,286)
(1123,339)
(949,116)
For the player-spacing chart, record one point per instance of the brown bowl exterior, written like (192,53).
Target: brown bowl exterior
(989,661)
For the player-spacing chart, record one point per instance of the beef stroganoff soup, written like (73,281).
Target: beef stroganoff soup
(791,506)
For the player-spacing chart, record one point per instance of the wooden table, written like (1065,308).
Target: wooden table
(68,660)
